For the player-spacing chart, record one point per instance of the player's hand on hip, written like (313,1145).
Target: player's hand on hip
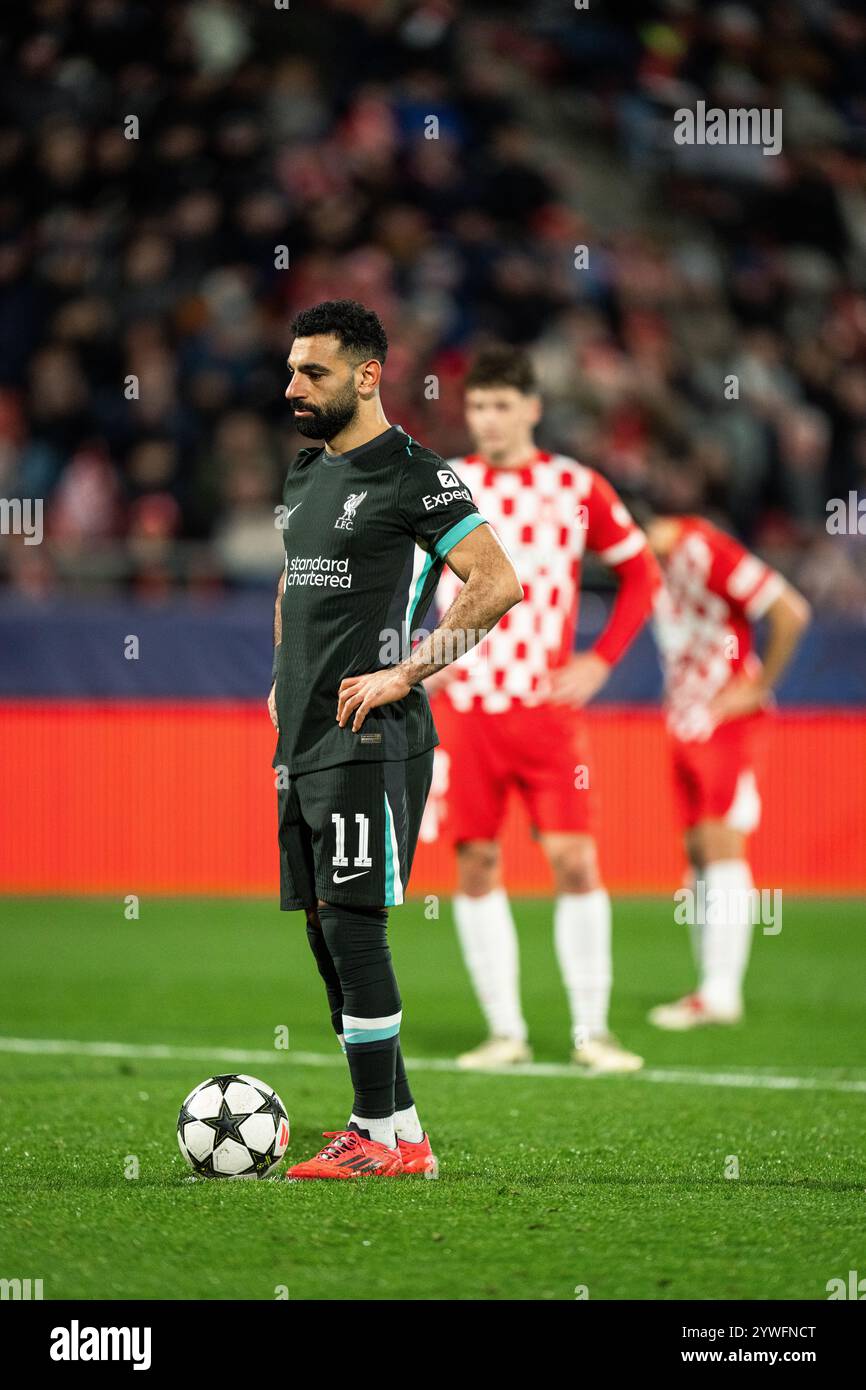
(741,696)
(272,706)
(578,680)
(359,694)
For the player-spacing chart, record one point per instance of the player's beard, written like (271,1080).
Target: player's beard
(326,422)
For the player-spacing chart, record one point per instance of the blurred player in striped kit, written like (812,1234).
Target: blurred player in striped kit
(718,695)
(508,715)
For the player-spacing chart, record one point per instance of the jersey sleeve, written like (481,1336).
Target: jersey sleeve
(434,503)
(639,583)
(621,545)
(610,531)
(743,580)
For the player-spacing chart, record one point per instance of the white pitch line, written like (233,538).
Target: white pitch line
(164,1052)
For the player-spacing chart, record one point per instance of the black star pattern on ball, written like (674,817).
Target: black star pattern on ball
(273,1107)
(226,1126)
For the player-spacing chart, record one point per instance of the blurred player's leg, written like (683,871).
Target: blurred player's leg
(718,796)
(485,929)
(582,929)
(478,773)
(582,936)
(692,878)
(717,716)
(722,945)
(550,747)
(727,937)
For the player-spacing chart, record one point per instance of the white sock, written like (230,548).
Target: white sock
(408,1126)
(696,931)
(382,1131)
(581,933)
(727,934)
(485,929)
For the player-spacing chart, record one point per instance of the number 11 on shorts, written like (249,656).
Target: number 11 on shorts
(362,859)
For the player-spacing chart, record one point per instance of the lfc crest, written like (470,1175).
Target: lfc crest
(350,506)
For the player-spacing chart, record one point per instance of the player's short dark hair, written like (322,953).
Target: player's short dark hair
(358,328)
(500,364)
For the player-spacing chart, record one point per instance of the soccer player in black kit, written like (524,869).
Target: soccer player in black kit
(369,519)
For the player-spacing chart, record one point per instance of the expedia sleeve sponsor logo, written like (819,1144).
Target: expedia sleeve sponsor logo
(432,500)
(319,572)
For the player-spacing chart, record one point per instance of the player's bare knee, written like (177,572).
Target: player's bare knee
(574,864)
(578,876)
(478,867)
(716,841)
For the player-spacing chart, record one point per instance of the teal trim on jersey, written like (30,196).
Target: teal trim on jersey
(368,1035)
(457,532)
(415,596)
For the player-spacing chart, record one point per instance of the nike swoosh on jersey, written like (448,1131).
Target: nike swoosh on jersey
(344,878)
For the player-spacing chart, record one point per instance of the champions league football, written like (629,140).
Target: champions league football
(233,1127)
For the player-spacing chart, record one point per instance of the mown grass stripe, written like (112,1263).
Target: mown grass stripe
(164,1052)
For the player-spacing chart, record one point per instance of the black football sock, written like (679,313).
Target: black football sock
(358,943)
(328,972)
(406,1122)
(402,1094)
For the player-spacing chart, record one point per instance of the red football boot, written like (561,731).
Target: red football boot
(419,1158)
(349,1155)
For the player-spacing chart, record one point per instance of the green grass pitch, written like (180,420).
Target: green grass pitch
(549,1182)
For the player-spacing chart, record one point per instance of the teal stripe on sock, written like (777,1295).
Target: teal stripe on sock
(367,1035)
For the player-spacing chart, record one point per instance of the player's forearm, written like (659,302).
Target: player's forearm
(278,622)
(483,600)
(789,616)
(278,610)
(640,579)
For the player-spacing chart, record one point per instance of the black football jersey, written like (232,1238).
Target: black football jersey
(366,534)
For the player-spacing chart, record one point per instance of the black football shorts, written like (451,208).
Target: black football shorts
(347,834)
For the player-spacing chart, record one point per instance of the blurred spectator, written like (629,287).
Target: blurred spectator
(445,163)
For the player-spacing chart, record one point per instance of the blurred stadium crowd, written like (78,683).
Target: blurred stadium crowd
(156,258)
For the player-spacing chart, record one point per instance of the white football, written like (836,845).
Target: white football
(233,1127)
